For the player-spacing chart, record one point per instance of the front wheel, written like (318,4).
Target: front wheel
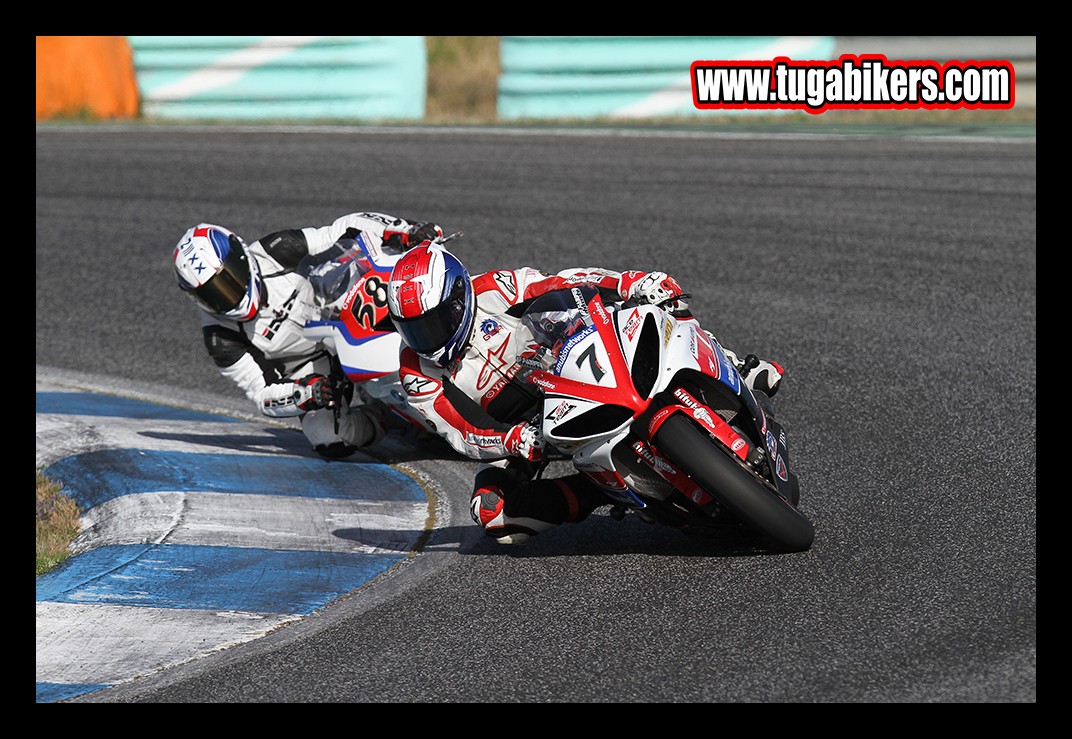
(744,495)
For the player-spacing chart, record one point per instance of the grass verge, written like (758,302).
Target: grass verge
(57,524)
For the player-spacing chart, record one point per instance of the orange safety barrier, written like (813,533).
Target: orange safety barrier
(86,76)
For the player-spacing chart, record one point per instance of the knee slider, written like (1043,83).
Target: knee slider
(335,450)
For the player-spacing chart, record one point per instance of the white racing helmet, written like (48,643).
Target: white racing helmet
(215,268)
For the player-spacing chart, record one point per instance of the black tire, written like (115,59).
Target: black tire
(693,452)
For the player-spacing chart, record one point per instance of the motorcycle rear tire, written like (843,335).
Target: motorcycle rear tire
(693,452)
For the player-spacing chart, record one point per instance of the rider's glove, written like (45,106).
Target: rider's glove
(412,235)
(314,391)
(659,288)
(526,441)
(421,232)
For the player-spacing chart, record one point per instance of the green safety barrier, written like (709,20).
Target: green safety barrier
(281,77)
(624,76)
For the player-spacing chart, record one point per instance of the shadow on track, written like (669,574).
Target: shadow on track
(598,535)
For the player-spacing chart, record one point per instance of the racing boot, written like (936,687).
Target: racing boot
(487,505)
(488,509)
(758,374)
(511,507)
(765,377)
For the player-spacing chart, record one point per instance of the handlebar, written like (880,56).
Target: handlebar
(451,237)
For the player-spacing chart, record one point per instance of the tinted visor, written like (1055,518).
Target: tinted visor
(226,289)
(429,332)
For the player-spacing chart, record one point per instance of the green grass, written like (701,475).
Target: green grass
(57,524)
(463,74)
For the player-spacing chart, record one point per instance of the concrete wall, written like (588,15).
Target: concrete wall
(641,76)
(281,77)
(1018,50)
(623,76)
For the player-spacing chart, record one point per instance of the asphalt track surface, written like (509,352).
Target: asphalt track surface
(893,276)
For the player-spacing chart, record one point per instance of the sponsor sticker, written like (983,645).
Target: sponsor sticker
(489,327)
(685,398)
(543,382)
(482,440)
(632,324)
(727,372)
(657,419)
(780,468)
(415,385)
(563,353)
(506,283)
(701,415)
(657,462)
(564,408)
(600,312)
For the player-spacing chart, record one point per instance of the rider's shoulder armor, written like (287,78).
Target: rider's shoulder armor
(287,248)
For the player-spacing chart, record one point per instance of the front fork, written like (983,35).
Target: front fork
(753,456)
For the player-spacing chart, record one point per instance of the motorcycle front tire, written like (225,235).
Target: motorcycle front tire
(700,457)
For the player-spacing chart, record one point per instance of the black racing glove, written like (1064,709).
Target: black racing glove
(412,235)
(421,232)
(313,392)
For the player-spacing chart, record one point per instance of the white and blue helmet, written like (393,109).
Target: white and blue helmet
(215,268)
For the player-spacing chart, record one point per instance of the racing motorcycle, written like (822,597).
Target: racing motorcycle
(349,283)
(652,410)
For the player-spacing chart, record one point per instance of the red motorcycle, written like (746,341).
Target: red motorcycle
(651,409)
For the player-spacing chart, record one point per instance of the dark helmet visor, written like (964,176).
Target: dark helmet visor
(429,332)
(226,289)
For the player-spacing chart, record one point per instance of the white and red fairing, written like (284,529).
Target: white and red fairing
(593,370)
(368,356)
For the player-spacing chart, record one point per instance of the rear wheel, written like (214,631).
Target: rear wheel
(746,496)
